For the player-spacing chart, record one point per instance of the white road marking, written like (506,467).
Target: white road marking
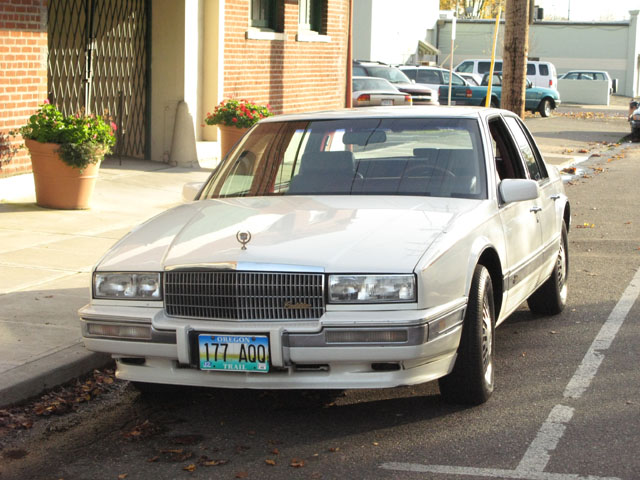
(592,360)
(537,456)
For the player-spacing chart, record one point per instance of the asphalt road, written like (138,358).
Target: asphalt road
(564,407)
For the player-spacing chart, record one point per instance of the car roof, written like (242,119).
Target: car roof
(586,71)
(409,111)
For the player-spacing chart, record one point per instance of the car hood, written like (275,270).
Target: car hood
(414,87)
(336,233)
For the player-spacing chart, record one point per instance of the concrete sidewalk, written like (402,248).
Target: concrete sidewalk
(46,255)
(45,261)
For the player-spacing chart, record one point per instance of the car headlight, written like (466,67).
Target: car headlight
(127,285)
(372,288)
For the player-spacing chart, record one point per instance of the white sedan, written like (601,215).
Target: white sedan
(362,248)
(373,91)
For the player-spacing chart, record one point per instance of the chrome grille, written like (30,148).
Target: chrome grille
(244,295)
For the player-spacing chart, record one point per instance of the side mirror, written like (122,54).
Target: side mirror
(518,190)
(190,190)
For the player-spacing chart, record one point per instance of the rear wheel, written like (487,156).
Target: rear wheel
(545,107)
(471,381)
(551,297)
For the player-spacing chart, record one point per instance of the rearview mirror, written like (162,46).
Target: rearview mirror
(518,190)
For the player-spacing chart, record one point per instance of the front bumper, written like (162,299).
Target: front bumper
(308,354)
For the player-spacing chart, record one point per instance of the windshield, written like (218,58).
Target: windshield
(394,75)
(373,156)
(372,83)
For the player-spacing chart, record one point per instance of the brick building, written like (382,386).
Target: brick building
(158,66)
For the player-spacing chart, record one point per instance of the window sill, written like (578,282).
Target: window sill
(255,34)
(312,37)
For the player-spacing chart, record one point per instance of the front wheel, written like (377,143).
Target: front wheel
(471,381)
(545,108)
(551,297)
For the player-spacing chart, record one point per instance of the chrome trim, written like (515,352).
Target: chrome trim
(114,318)
(247,266)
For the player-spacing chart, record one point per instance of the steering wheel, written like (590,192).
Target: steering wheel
(428,171)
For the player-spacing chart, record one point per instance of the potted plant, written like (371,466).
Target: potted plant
(234,117)
(66,152)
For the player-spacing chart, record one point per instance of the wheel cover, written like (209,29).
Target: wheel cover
(561,268)
(547,108)
(487,342)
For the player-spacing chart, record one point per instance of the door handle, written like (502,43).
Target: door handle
(535,209)
(555,197)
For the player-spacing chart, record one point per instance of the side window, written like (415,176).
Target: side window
(599,76)
(571,76)
(531,68)
(483,67)
(410,72)
(507,160)
(533,162)
(497,67)
(429,76)
(455,79)
(544,69)
(465,67)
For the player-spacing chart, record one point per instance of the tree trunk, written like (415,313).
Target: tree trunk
(514,58)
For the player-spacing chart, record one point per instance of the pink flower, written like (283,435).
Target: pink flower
(114,127)
(46,101)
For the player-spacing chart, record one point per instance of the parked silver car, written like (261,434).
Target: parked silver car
(373,91)
(360,248)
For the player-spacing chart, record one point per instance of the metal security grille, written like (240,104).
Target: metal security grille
(244,295)
(98,64)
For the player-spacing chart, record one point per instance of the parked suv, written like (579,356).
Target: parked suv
(541,74)
(420,94)
(432,76)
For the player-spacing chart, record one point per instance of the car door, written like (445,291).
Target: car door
(521,225)
(546,212)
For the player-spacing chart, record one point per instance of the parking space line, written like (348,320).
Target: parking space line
(537,456)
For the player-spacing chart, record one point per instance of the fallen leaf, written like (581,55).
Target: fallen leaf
(583,150)
(553,332)
(375,444)
(296,463)
(269,461)
(275,451)
(569,170)
(214,463)
(122,476)
(242,475)
(190,468)
(153,459)
(334,449)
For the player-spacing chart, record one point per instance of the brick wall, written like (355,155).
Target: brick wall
(289,75)
(23,75)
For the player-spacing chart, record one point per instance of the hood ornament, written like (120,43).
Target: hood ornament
(243,238)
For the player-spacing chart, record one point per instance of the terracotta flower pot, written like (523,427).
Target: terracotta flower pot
(57,184)
(229,136)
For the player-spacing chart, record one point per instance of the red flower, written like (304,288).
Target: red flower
(234,120)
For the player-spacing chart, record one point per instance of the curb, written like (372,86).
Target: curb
(31,379)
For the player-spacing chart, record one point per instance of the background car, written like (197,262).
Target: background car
(372,91)
(634,119)
(541,74)
(592,75)
(537,99)
(469,78)
(420,94)
(357,248)
(434,77)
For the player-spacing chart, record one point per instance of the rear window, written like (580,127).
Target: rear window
(531,69)
(437,157)
(544,69)
(410,72)
(465,67)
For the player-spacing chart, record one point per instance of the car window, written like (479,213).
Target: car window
(483,67)
(533,163)
(410,72)
(359,71)
(429,76)
(544,69)
(373,83)
(507,161)
(571,76)
(599,76)
(438,157)
(465,67)
(394,75)
(455,79)
(531,69)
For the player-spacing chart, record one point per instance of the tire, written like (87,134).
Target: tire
(551,297)
(545,107)
(494,103)
(471,380)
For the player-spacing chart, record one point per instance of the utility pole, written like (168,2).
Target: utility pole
(514,56)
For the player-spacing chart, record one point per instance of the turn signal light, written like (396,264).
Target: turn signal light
(119,331)
(407,98)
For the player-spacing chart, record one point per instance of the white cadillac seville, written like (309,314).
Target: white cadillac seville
(363,248)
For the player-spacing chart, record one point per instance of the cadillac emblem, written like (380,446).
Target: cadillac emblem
(243,238)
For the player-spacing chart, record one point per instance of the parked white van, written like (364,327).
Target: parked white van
(541,74)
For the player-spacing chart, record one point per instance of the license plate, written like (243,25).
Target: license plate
(387,102)
(234,353)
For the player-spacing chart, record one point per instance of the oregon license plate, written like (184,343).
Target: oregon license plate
(387,101)
(234,353)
